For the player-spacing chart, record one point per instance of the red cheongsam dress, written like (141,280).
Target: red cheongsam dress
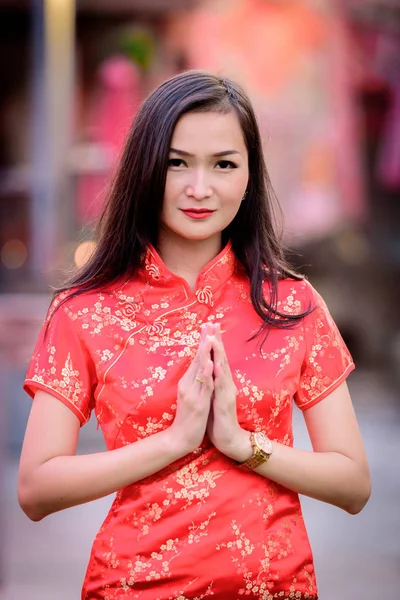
(202,527)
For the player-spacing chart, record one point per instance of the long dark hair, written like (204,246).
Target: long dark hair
(131,217)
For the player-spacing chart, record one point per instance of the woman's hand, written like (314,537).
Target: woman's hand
(223,427)
(195,389)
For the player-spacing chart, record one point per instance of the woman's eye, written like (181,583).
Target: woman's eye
(176,162)
(226,164)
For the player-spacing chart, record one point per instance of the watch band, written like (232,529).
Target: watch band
(262,449)
(253,462)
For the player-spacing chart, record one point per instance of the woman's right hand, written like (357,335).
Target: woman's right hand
(195,389)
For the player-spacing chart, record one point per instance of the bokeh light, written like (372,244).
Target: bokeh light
(14,254)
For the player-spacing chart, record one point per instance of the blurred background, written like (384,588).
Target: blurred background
(324,77)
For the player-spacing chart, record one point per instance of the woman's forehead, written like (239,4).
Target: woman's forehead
(214,131)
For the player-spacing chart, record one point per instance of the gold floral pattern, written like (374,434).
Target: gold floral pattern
(201,527)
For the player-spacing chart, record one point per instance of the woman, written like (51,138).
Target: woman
(189,336)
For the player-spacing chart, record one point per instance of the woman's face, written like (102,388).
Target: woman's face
(207,176)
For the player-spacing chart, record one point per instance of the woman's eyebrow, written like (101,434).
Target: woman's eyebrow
(217,154)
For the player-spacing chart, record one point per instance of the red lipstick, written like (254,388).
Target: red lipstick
(197,213)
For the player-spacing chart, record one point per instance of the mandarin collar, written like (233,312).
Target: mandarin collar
(211,277)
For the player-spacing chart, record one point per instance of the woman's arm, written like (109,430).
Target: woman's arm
(52,478)
(336,471)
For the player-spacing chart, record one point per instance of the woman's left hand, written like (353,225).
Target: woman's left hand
(223,427)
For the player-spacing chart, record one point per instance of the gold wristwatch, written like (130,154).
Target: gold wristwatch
(262,450)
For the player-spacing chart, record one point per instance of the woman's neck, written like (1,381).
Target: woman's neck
(186,258)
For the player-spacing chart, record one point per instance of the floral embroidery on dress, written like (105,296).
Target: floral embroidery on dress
(68,384)
(285,353)
(240,545)
(195,485)
(324,346)
(291,305)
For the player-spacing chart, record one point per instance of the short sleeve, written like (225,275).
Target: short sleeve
(327,361)
(61,364)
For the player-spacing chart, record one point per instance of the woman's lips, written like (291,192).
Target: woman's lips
(198,214)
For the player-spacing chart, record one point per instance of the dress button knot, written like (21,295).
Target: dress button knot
(154,271)
(205,296)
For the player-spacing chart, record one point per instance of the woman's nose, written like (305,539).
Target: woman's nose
(198,187)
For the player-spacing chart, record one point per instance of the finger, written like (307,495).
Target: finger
(204,378)
(194,365)
(219,370)
(218,335)
(205,354)
(204,373)
(203,381)
(219,351)
(221,363)
(203,335)
(208,371)
(202,355)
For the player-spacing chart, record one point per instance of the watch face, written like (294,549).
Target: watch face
(263,442)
